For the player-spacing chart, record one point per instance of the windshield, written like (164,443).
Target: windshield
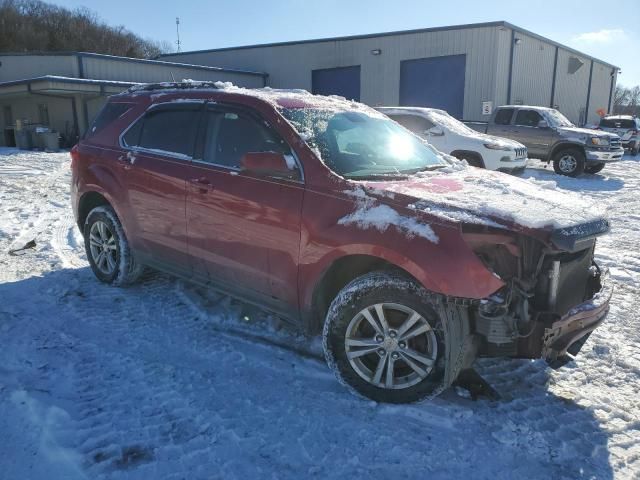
(357,145)
(556,119)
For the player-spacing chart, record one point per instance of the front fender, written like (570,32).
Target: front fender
(448,267)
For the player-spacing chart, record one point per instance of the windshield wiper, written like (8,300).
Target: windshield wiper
(411,171)
(376,176)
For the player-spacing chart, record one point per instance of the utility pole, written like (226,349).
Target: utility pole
(178,32)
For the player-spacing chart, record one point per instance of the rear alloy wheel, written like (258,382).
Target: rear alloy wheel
(569,162)
(107,248)
(594,168)
(383,339)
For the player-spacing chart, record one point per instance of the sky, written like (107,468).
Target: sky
(608,30)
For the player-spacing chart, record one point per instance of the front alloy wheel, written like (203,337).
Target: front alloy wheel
(383,339)
(569,162)
(391,346)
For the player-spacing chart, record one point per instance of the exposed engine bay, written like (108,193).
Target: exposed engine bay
(542,286)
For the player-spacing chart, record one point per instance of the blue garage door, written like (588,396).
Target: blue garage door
(343,81)
(436,82)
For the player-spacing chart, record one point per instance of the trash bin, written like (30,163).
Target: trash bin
(50,141)
(23,139)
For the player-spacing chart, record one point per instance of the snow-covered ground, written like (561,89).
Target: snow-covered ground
(161,380)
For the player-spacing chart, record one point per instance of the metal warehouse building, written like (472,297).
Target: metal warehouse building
(64,91)
(464,69)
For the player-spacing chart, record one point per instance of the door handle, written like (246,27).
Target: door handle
(127,160)
(202,184)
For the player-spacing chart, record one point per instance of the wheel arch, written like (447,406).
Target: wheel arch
(462,154)
(336,276)
(566,146)
(88,201)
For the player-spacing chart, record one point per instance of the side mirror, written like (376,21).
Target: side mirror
(435,131)
(543,124)
(269,164)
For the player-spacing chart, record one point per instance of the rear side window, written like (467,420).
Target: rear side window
(503,116)
(414,123)
(171,130)
(109,113)
(528,118)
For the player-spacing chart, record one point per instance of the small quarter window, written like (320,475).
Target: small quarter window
(109,113)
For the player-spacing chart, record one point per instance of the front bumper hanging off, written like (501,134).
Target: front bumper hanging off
(565,337)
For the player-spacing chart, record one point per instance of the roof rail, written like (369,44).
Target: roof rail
(186,85)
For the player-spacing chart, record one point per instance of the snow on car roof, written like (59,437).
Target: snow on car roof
(279,98)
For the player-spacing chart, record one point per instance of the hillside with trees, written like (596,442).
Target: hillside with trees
(36,26)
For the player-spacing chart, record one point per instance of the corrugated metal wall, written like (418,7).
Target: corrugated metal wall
(18,67)
(600,88)
(290,66)
(571,88)
(532,76)
(108,68)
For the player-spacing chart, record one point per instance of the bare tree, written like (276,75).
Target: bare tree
(33,25)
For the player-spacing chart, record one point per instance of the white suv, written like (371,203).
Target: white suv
(451,136)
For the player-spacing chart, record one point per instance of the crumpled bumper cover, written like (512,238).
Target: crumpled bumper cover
(566,336)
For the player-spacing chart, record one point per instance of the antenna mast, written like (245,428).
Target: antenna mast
(178,32)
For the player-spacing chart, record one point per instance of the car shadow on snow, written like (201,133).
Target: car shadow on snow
(588,182)
(256,405)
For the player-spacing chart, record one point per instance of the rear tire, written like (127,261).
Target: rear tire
(569,162)
(394,357)
(108,250)
(635,150)
(594,168)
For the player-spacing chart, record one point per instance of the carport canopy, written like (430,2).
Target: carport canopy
(77,90)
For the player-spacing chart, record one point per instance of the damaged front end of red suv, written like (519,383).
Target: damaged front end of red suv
(554,296)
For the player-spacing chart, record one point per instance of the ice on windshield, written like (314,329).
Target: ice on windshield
(355,144)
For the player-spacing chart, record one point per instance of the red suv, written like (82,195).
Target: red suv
(410,263)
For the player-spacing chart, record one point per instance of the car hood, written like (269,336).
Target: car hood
(584,132)
(485,138)
(467,195)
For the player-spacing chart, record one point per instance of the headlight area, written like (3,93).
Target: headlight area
(504,321)
(497,146)
(600,141)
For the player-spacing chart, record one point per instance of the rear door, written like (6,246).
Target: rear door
(501,123)
(157,153)
(244,231)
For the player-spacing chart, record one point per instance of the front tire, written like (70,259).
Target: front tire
(594,168)
(108,250)
(569,162)
(383,339)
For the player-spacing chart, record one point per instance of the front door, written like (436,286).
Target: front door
(528,132)
(244,230)
(155,163)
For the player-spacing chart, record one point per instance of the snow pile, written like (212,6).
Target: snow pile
(381,217)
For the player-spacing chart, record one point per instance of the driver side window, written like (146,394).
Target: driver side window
(230,134)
